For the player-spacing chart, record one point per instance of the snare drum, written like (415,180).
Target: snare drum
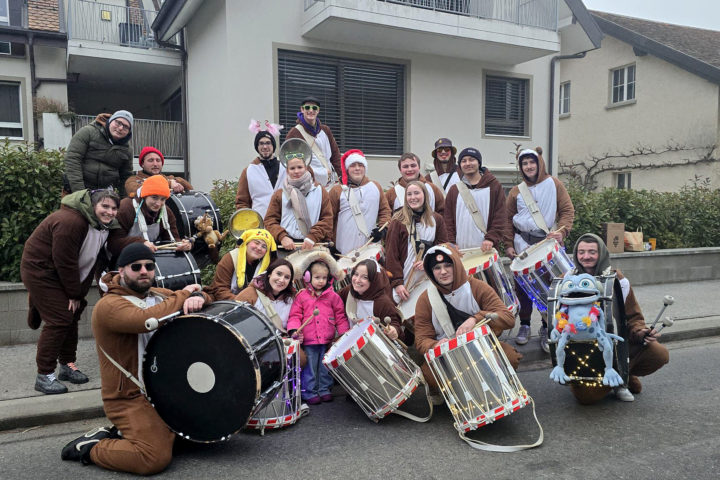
(373,370)
(407,307)
(349,260)
(488,267)
(207,372)
(187,207)
(175,270)
(286,408)
(476,379)
(536,268)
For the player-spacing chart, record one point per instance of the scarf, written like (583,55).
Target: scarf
(272,167)
(309,128)
(242,263)
(297,190)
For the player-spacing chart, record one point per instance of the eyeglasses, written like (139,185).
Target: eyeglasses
(444,149)
(307,108)
(290,156)
(136,267)
(120,125)
(265,144)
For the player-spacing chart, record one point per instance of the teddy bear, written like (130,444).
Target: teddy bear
(212,238)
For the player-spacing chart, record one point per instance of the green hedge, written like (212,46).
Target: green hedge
(684,219)
(223,194)
(30,186)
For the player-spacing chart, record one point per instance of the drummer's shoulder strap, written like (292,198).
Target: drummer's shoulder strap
(533,207)
(440,310)
(351,308)
(270,310)
(399,194)
(312,141)
(356,210)
(472,207)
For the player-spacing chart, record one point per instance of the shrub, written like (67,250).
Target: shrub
(30,185)
(223,194)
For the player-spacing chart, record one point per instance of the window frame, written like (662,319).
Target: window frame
(343,117)
(5,20)
(626,176)
(19,124)
(623,85)
(564,98)
(489,76)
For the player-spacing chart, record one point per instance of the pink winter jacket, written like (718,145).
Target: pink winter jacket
(321,329)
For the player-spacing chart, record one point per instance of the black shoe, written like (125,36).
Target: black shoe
(79,449)
(71,373)
(47,386)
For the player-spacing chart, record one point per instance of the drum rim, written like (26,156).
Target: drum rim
(518,269)
(457,342)
(369,331)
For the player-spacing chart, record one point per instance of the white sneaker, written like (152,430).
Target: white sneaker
(622,393)
(523,335)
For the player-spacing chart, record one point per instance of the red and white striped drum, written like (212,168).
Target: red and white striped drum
(536,267)
(488,267)
(346,262)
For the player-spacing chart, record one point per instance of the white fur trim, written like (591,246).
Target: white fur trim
(355,158)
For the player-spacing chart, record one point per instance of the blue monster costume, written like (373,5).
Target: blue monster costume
(580,318)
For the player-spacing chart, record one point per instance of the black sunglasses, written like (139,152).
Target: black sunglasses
(136,267)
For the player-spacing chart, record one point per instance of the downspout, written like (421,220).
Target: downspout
(551,128)
(33,86)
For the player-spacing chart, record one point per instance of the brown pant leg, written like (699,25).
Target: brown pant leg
(429,377)
(146,446)
(512,355)
(645,360)
(68,349)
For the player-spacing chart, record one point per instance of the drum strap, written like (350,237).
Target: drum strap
(490,447)
(415,418)
(142,224)
(440,310)
(533,207)
(399,194)
(472,206)
(351,309)
(312,141)
(127,374)
(356,211)
(270,310)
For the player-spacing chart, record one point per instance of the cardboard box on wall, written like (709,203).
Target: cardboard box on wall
(613,235)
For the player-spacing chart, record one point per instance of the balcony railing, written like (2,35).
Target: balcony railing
(111,24)
(532,13)
(164,135)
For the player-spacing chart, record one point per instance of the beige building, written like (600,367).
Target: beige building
(392,76)
(643,111)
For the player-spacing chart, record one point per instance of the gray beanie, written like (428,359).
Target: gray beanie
(122,114)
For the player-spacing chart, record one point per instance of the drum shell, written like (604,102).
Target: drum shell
(187,207)
(489,268)
(240,347)
(535,274)
(175,270)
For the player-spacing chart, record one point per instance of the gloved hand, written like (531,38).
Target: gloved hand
(376,235)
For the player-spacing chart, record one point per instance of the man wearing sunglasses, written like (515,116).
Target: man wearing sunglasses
(139,441)
(446,171)
(100,154)
(325,161)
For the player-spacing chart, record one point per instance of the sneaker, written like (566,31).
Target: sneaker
(436,399)
(326,398)
(543,334)
(523,335)
(79,449)
(49,385)
(634,384)
(71,373)
(624,394)
(313,401)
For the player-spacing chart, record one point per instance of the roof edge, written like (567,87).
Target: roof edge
(167,14)
(586,21)
(660,50)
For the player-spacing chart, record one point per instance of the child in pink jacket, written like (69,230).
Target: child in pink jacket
(320,269)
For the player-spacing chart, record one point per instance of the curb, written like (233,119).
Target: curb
(29,412)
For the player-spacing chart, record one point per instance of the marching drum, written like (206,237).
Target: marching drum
(187,207)
(584,362)
(478,383)
(377,373)
(349,260)
(207,372)
(488,267)
(286,408)
(536,268)
(175,270)
(407,307)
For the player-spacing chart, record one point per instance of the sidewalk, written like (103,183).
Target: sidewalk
(696,313)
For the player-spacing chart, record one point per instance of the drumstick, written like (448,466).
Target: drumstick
(489,317)
(315,313)
(386,324)
(319,244)
(169,246)
(418,257)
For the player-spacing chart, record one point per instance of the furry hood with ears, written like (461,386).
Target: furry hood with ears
(304,261)
(460,275)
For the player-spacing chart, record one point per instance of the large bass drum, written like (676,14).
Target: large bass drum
(206,373)
(175,270)
(187,207)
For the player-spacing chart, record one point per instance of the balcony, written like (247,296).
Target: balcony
(166,136)
(499,31)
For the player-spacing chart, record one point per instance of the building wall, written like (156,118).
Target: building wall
(232,78)
(672,107)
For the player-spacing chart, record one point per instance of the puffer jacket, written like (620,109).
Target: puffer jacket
(331,317)
(93,161)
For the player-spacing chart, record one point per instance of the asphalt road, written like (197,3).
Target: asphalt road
(671,431)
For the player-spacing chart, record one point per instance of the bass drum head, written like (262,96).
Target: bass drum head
(202,376)
(175,270)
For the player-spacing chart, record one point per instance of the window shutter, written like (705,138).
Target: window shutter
(506,106)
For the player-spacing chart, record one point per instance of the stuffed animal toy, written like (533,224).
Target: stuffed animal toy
(205,230)
(580,317)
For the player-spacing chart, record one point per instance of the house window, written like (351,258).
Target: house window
(565,98)
(4,48)
(623,84)
(10,112)
(362,102)
(624,180)
(506,106)
(4,13)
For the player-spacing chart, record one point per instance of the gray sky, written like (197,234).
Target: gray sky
(695,13)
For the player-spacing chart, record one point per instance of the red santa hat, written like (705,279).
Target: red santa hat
(350,157)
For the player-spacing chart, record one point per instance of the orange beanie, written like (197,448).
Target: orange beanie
(155,185)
